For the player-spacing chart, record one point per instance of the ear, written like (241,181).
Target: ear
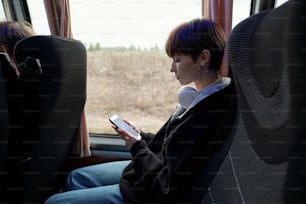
(204,57)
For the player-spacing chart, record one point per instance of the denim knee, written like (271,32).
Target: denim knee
(73,180)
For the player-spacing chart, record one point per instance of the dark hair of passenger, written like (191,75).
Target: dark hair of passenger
(11,32)
(191,37)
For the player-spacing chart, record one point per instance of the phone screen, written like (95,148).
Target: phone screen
(121,124)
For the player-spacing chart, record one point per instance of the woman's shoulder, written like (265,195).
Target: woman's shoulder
(219,98)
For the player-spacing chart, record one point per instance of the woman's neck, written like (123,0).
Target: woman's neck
(208,78)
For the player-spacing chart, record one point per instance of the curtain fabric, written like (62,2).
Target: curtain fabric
(220,11)
(58,14)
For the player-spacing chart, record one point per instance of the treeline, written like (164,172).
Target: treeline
(98,47)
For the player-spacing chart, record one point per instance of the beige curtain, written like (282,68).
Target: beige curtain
(58,14)
(220,11)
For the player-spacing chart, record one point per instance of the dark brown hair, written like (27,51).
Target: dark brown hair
(11,32)
(192,37)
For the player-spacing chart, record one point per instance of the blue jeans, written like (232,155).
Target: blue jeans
(93,184)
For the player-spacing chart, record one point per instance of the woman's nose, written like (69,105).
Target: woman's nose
(172,68)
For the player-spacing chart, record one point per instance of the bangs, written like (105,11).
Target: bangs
(189,38)
(186,42)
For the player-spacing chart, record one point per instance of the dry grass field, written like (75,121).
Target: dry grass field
(136,85)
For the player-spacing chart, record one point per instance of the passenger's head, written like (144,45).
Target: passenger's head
(11,32)
(192,37)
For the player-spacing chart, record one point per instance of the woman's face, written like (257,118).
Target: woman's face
(185,69)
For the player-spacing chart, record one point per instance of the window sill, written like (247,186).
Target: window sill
(108,145)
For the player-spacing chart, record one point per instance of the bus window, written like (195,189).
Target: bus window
(127,66)
(128,70)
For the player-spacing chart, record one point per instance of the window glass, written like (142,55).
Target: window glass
(38,17)
(280,2)
(2,15)
(241,10)
(128,70)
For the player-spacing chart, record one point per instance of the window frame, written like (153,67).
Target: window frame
(16,10)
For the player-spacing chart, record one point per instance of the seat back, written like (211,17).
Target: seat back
(49,107)
(225,131)
(4,121)
(266,162)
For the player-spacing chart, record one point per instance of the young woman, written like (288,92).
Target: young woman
(165,165)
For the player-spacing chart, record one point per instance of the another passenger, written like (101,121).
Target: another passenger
(10,33)
(165,165)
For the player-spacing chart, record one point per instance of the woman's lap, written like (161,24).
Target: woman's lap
(93,184)
(96,175)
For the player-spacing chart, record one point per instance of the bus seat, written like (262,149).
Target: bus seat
(266,162)
(4,122)
(226,129)
(52,101)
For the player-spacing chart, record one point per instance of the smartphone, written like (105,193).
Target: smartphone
(121,124)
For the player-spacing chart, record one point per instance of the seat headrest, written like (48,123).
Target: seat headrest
(267,55)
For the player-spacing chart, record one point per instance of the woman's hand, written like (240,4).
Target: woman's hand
(129,139)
